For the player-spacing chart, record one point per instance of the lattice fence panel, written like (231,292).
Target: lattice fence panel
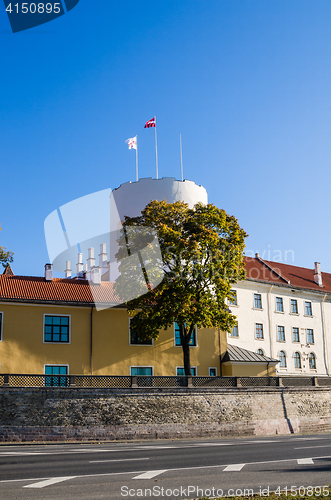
(106,382)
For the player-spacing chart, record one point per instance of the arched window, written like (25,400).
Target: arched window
(260,351)
(297,360)
(312,361)
(282,359)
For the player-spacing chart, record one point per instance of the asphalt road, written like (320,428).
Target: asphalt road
(165,469)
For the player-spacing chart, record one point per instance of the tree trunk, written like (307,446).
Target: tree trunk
(185,341)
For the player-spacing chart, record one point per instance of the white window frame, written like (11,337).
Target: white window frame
(307,342)
(297,367)
(138,345)
(311,309)
(1,326)
(259,338)
(278,339)
(296,341)
(257,308)
(190,346)
(141,366)
(182,367)
(280,366)
(294,313)
(57,343)
(212,368)
(234,336)
(282,302)
(312,369)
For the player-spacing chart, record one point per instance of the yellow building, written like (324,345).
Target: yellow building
(51,326)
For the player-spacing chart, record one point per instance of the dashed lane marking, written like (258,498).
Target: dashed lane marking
(150,474)
(233,467)
(303,461)
(116,460)
(48,482)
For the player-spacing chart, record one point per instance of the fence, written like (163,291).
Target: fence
(126,382)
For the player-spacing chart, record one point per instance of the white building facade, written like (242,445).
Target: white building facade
(284,312)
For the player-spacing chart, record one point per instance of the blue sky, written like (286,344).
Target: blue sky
(246,83)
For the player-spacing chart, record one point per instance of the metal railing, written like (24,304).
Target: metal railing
(126,382)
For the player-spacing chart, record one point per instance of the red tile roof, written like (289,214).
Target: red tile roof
(285,274)
(68,291)
(79,292)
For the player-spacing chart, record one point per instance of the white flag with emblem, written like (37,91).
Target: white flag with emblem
(132,142)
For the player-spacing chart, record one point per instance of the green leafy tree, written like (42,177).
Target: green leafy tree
(5,255)
(201,257)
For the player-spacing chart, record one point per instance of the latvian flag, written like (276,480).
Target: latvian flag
(150,123)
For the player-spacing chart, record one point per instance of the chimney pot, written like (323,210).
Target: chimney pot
(48,272)
(68,270)
(318,274)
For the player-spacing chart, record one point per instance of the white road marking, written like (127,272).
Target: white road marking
(150,474)
(234,467)
(116,460)
(167,470)
(303,461)
(310,447)
(48,482)
(21,453)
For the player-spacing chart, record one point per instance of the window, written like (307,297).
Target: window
(312,361)
(282,359)
(297,360)
(134,337)
(213,372)
(279,304)
(234,331)
(258,331)
(56,328)
(181,373)
(295,334)
(1,324)
(308,310)
(57,375)
(233,300)
(294,306)
(281,333)
(193,339)
(257,301)
(142,371)
(310,336)
(260,352)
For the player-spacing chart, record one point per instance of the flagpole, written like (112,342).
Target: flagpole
(181,156)
(137,158)
(157,169)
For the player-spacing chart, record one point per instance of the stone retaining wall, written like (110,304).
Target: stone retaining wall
(28,414)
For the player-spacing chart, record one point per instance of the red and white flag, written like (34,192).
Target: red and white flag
(150,123)
(132,142)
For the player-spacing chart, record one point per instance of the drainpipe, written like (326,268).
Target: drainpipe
(326,354)
(270,323)
(219,337)
(91,339)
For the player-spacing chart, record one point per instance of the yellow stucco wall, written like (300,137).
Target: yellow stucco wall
(247,370)
(22,349)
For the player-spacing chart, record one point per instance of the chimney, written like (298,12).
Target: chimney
(103,256)
(257,255)
(80,266)
(68,270)
(318,274)
(48,272)
(96,276)
(90,259)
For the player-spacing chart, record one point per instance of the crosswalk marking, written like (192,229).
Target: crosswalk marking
(233,467)
(48,482)
(303,461)
(150,474)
